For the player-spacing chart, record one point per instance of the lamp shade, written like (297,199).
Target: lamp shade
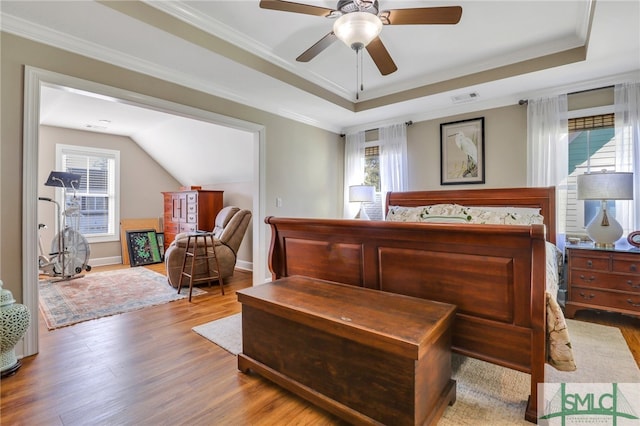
(605,186)
(357,29)
(361,193)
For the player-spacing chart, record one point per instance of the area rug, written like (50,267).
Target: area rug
(488,394)
(101,294)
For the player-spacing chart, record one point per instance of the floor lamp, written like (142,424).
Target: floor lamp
(361,194)
(604,229)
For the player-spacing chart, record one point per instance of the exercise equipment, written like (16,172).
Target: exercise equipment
(70,250)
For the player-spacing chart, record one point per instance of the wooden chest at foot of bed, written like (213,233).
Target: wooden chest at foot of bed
(364,355)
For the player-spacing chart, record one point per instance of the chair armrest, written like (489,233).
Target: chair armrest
(181,240)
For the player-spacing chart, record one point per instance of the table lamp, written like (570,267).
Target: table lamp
(361,194)
(604,230)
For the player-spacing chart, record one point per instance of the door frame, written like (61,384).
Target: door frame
(34,79)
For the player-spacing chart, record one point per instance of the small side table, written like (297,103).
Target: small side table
(197,255)
(603,279)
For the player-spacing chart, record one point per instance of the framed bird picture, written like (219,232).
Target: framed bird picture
(462,152)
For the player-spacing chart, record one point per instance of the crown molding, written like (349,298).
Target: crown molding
(195,18)
(45,35)
(481,105)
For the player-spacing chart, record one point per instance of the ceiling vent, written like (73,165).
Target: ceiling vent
(467,97)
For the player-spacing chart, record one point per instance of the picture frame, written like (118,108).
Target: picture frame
(634,239)
(160,238)
(462,152)
(143,247)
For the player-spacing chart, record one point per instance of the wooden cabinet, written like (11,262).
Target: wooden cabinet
(607,280)
(186,211)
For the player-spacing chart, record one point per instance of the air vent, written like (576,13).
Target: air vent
(467,97)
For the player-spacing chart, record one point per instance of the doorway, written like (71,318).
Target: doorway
(35,79)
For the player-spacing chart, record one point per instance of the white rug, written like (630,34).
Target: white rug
(225,332)
(488,394)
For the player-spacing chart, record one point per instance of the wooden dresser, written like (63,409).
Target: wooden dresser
(607,280)
(186,211)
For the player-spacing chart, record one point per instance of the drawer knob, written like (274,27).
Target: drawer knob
(589,263)
(588,280)
(635,305)
(591,296)
(633,267)
(633,285)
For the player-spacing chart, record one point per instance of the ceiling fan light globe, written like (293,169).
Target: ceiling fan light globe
(357,29)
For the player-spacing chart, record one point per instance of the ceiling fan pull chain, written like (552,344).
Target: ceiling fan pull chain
(357,73)
(361,74)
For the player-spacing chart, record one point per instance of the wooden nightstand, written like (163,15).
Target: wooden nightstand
(607,280)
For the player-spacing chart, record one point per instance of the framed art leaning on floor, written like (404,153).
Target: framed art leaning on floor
(143,247)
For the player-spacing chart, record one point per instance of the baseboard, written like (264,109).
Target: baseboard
(103,261)
(244,265)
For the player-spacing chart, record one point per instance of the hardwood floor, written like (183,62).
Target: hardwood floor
(148,368)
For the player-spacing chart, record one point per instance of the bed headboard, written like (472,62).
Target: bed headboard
(542,198)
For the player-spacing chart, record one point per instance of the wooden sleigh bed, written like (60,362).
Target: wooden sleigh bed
(494,274)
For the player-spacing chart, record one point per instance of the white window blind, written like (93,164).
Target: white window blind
(96,195)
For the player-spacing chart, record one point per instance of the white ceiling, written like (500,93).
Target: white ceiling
(236,50)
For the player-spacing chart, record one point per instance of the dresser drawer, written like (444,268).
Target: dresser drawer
(616,300)
(605,280)
(188,227)
(629,266)
(192,197)
(591,262)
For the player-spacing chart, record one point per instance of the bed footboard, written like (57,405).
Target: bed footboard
(494,275)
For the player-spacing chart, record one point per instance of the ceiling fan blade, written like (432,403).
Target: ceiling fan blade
(287,6)
(381,57)
(314,50)
(425,15)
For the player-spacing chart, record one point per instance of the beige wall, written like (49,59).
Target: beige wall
(141,180)
(303,164)
(505,134)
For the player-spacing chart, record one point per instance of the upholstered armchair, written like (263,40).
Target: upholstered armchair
(230,226)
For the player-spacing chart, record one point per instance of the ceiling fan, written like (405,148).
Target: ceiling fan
(359,22)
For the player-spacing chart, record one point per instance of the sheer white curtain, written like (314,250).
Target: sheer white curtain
(353,169)
(548,151)
(627,113)
(393,158)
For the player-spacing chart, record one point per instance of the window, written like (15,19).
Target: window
(372,177)
(96,197)
(591,148)
(372,166)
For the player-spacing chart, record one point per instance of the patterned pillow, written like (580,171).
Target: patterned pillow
(455,213)
(434,213)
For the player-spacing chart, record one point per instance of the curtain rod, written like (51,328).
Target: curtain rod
(407,123)
(526,101)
